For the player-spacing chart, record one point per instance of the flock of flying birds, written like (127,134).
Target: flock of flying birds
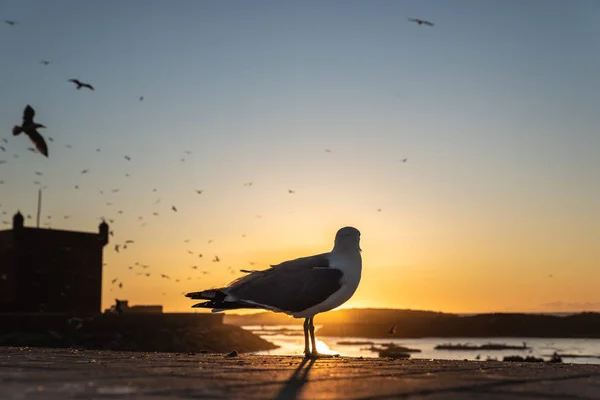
(29,127)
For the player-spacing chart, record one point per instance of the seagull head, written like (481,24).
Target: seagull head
(347,239)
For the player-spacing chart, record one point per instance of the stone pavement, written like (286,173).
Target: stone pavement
(30,373)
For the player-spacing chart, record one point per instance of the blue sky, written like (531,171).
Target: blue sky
(495,107)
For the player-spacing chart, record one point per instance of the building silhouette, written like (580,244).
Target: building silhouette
(51,271)
(122,306)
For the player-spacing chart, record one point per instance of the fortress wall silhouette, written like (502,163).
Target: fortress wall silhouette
(52,271)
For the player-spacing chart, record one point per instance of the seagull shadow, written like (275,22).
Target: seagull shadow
(294,385)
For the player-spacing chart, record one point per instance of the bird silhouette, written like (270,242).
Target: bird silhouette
(30,129)
(11,23)
(420,21)
(45,62)
(81,84)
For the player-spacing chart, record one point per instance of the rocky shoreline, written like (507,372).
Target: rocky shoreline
(151,333)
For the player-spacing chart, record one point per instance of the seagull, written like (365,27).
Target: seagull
(11,23)
(81,84)
(301,288)
(420,21)
(45,62)
(30,129)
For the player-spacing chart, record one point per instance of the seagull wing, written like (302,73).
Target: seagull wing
(87,85)
(413,20)
(39,142)
(75,81)
(291,286)
(428,23)
(28,115)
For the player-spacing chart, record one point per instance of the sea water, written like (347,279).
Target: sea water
(290,338)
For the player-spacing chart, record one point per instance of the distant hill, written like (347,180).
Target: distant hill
(377,323)
(370,315)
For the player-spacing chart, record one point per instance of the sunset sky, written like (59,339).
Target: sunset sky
(496,108)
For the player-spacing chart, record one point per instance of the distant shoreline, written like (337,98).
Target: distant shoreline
(378,323)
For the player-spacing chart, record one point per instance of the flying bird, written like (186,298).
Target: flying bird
(141,98)
(420,21)
(81,84)
(302,288)
(45,62)
(30,129)
(11,23)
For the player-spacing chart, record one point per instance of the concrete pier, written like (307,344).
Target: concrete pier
(37,373)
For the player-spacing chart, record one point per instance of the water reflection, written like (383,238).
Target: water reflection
(291,341)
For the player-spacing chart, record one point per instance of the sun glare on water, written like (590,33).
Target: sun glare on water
(323,348)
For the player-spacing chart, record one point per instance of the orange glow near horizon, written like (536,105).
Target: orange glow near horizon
(467,272)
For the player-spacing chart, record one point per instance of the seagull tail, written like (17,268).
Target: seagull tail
(218,306)
(209,294)
(218,301)
(17,130)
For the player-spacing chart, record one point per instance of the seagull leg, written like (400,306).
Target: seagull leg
(315,353)
(306,346)
(313,341)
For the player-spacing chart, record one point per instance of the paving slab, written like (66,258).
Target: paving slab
(48,374)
